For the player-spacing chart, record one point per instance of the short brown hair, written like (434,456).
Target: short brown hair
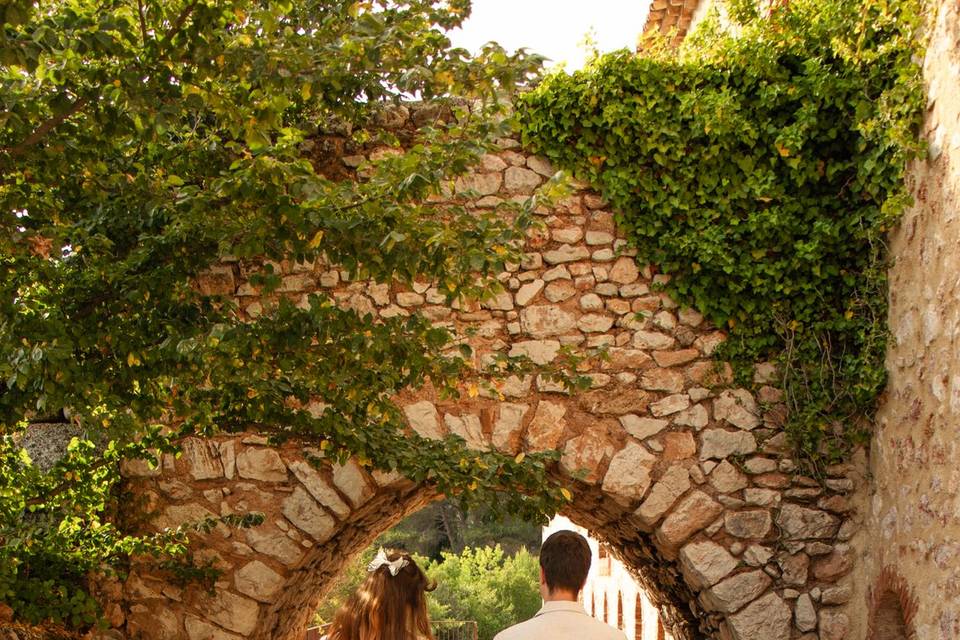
(565,560)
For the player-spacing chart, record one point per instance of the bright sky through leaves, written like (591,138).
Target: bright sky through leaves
(554,28)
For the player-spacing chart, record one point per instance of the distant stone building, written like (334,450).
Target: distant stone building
(676,17)
(611,594)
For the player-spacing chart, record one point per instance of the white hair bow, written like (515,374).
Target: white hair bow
(381,561)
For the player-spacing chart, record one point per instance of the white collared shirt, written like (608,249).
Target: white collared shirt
(561,620)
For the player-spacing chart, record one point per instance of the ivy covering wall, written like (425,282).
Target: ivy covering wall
(760,166)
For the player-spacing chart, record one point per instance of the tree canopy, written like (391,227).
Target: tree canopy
(142,142)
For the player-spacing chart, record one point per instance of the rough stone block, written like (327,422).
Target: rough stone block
(767,618)
(257,463)
(733,593)
(629,474)
(755,523)
(799,523)
(424,419)
(693,513)
(543,321)
(738,408)
(257,580)
(674,483)
(642,428)
(319,488)
(301,509)
(705,563)
(719,443)
(547,426)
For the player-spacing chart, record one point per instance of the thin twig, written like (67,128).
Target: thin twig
(45,128)
(143,22)
(40,132)
(66,484)
(182,18)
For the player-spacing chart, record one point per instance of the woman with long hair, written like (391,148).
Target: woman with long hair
(391,604)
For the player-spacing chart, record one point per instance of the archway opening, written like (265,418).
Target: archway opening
(892,608)
(292,612)
(889,620)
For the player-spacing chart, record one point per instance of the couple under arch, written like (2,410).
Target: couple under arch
(391,603)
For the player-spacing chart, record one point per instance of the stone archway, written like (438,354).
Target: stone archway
(685,478)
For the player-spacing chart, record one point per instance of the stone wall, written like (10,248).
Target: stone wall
(687,479)
(911,545)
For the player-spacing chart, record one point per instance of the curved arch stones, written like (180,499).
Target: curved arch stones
(686,478)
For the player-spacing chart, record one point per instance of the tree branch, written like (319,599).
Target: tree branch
(143,22)
(40,132)
(63,486)
(45,128)
(178,23)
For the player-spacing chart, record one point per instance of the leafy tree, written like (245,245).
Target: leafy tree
(448,526)
(486,585)
(142,143)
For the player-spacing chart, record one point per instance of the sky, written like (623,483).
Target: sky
(554,28)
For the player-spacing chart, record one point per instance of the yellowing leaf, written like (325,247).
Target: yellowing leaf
(566,494)
(132,360)
(315,242)
(473,391)
(520,457)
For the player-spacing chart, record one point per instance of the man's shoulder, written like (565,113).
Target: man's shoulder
(602,631)
(529,629)
(516,631)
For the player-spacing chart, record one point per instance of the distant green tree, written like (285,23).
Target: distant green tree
(447,526)
(486,585)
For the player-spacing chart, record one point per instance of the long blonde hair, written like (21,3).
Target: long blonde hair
(386,606)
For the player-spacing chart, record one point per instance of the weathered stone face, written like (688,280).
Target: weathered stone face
(506,431)
(542,321)
(801,523)
(258,581)
(629,474)
(705,563)
(424,419)
(737,408)
(261,464)
(546,428)
(274,544)
(720,443)
(301,509)
(754,523)
(693,513)
(201,459)
(664,494)
(539,351)
(733,593)
(319,488)
(768,618)
(642,428)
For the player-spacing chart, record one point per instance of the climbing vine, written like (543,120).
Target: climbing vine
(760,166)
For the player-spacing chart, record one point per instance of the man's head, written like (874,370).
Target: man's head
(564,564)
